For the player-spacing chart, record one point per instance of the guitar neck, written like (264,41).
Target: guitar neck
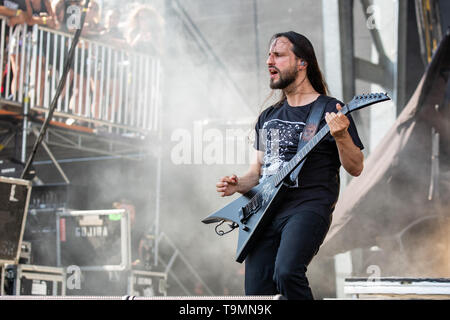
(301,155)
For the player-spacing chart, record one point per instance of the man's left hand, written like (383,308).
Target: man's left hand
(338,123)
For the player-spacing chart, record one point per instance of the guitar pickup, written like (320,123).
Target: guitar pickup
(250,209)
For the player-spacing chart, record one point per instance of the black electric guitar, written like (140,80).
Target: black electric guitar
(253,210)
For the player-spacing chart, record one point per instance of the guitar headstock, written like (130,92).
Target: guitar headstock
(364,100)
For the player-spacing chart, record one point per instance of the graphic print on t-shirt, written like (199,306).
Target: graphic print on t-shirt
(280,138)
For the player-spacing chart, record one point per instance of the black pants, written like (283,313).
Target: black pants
(278,264)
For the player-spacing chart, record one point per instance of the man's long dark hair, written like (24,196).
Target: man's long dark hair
(303,49)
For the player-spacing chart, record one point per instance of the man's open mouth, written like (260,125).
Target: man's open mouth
(273,73)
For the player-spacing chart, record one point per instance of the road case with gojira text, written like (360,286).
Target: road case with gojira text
(95,240)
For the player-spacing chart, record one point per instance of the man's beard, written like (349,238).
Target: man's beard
(285,79)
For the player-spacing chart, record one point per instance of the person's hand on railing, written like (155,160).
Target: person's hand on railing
(44,20)
(19,18)
(56,24)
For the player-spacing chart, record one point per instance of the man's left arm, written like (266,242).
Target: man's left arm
(352,159)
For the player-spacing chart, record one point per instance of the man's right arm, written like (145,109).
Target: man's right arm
(227,186)
(4,11)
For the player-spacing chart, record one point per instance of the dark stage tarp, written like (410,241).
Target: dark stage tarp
(393,190)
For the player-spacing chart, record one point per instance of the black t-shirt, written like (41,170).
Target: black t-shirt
(42,9)
(277,134)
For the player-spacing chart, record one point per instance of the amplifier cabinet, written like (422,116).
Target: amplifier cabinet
(147,283)
(14,200)
(95,240)
(25,279)
(49,196)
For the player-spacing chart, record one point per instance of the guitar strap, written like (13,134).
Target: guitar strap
(309,131)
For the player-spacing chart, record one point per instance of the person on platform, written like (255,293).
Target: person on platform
(278,262)
(88,65)
(144,31)
(17,14)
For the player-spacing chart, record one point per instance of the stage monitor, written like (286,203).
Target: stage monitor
(14,200)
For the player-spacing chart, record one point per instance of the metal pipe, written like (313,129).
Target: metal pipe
(186,262)
(127,89)
(76,77)
(39,84)
(2,49)
(152,103)
(94,91)
(88,64)
(52,157)
(108,88)
(22,62)
(157,79)
(113,85)
(93,150)
(81,78)
(46,83)
(121,73)
(8,66)
(53,79)
(157,202)
(102,79)
(103,44)
(134,90)
(26,100)
(35,63)
(147,85)
(77,117)
(61,59)
(140,93)
(88,159)
(177,280)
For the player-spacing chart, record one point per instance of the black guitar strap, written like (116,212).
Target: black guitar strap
(310,129)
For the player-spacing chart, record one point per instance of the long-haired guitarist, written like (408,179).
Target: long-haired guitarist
(278,262)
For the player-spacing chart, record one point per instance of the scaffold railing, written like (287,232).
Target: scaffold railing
(107,86)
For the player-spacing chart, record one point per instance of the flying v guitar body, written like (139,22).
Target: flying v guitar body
(250,213)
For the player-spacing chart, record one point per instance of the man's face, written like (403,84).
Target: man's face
(281,63)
